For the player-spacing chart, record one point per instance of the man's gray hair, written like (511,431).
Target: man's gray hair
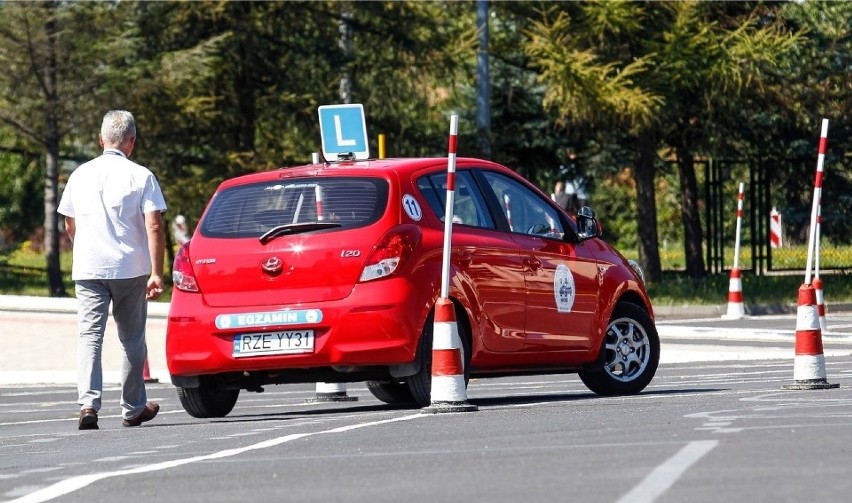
(118,126)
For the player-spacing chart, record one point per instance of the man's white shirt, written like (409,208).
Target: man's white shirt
(108,197)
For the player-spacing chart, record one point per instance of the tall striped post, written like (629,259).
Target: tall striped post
(823,143)
(736,308)
(820,295)
(448,390)
(809,362)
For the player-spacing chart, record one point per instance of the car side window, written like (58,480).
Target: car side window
(468,207)
(525,211)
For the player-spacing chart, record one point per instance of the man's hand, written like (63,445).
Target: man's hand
(155,287)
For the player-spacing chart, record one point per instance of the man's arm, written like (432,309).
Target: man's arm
(70,227)
(157,250)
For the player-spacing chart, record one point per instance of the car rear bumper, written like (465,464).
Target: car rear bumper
(377,325)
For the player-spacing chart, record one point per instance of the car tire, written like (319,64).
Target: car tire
(420,383)
(207,400)
(630,353)
(391,392)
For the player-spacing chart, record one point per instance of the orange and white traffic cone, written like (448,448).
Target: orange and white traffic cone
(331,392)
(809,363)
(448,392)
(736,309)
(820,300)
(146,373)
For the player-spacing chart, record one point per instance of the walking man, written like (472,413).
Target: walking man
(113,214)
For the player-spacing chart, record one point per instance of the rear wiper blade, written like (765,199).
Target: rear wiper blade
(280,230)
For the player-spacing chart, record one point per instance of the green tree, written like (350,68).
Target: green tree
(50,88)
(658,71)
(225,88)
(582,86)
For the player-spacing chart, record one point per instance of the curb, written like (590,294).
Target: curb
(31,303)
(686,311)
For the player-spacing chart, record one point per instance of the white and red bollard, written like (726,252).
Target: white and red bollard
(736,308)
(809,363)
(331,392)
(448,392)
(775,239)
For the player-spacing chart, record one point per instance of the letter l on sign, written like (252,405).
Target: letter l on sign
(338,129)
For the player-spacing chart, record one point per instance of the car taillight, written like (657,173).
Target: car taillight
(390,252)
(183,276)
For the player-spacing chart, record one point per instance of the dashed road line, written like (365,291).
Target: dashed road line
(665,475)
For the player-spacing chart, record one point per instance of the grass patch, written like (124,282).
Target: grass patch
(24,272)
(678,289)
(789,258)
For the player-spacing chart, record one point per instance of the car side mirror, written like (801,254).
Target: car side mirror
(587,224)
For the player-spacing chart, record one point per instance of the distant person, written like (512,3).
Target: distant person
(574,203)
(566,201)
(113,214)
(180,230)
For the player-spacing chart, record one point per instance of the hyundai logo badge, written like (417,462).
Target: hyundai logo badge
(272,265)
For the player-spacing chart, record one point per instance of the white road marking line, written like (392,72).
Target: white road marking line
(666,474)
(72,484)
(110,459)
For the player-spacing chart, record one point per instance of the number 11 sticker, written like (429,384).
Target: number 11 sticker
(411,207)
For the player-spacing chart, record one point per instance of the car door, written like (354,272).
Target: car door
(560,273)
(488,258)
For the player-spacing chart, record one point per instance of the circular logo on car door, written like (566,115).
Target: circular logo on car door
(272,266)
(563,289)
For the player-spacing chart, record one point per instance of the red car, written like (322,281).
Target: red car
(329,273)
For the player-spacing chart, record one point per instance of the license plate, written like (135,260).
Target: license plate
(274,343)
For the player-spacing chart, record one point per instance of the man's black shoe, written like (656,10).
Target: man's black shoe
(148,413)
(88,419)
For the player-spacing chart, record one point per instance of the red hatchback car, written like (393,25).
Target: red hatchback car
(330,272)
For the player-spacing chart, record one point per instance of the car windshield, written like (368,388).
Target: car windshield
(252,210)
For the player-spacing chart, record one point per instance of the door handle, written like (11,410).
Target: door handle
(532,263)
(463,259)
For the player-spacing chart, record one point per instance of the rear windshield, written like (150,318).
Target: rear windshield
(251,210)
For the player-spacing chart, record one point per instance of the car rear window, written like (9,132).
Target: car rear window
(251,210)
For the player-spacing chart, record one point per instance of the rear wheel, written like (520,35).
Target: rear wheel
(420,383)
(208,400)
(631,353)
(391,392)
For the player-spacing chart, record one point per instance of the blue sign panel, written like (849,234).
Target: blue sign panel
(344,131)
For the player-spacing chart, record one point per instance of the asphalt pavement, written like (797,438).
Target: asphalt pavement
(38,335)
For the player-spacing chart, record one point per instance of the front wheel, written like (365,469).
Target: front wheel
(208,400)
(631,353)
